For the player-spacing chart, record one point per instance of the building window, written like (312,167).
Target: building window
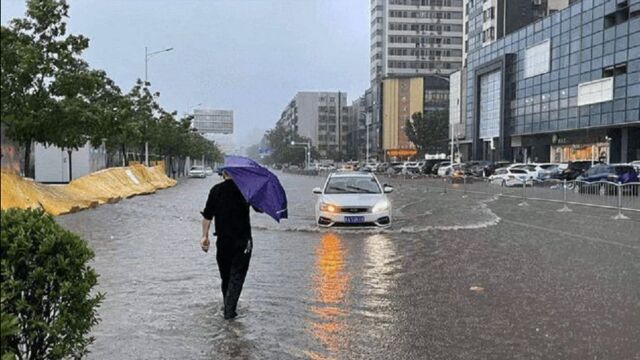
(595,91)
(490,95)
(537,59)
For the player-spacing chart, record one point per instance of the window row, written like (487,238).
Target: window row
(424,52)
(426,14)
(399,39)
(424,27)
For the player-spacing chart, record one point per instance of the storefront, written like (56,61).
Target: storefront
(580,152)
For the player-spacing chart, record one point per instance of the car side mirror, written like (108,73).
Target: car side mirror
(388,189)
(317,191)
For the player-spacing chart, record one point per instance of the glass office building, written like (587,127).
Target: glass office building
(564,88)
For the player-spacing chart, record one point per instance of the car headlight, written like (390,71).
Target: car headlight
(381,206)
(328,207)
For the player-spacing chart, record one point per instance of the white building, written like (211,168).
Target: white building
(415,37)
(51,163)
(323,117)
(213,121)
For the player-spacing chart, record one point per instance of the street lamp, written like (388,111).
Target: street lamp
(147,56)
(307,146)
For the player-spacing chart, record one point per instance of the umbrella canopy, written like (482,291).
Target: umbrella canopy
(260,187)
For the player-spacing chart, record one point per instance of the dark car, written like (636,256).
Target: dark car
(491,167)
(598,179)
(476,168)
(428,165)
(573,170)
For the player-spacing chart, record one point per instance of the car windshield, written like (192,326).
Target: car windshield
(352,185)
(518,171)
(196,168)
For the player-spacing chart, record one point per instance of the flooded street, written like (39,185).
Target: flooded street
(455,278)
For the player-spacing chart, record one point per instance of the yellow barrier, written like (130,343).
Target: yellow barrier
(105,186)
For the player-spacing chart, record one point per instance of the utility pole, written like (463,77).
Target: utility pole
(147,56)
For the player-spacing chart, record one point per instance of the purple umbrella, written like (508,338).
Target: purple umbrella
(260,187)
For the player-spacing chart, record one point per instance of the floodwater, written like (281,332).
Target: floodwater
(455,278)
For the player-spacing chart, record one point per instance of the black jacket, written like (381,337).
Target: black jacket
(231,212)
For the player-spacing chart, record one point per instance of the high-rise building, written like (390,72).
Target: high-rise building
(323,118)
(409,39)
(415,37)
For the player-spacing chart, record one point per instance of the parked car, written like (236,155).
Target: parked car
(491,167)
(353,199)
(597,179)
(573,170)
(636,165)
(428,165)
(208,171)
(411,167)
(510,177)
(437,166)
(549,170)
(476,168)
(197,171)
(531,169)
(449,169)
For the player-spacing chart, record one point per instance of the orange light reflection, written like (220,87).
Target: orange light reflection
(331,283)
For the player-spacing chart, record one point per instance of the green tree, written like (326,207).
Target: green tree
(46,285)
(428,131)
(37,55)
(279,138)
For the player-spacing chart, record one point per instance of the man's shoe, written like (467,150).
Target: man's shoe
(230,316)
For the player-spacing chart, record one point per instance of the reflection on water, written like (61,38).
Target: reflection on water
(380,271)
(331,283)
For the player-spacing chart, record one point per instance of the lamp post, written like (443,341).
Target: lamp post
(307,147)
(147,56)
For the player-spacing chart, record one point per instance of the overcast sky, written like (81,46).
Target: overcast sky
(250,56)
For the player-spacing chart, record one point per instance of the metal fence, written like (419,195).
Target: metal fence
(604,194)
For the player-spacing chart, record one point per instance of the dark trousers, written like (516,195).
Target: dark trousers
(233,265)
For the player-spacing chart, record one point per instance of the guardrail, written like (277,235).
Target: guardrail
(602,194)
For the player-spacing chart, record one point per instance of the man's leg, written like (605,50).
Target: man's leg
(224,266)
(239,268)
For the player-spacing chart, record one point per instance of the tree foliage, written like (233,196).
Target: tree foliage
(280,138)
(429,131)
(46,287)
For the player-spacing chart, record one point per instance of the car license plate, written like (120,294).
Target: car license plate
(354,219)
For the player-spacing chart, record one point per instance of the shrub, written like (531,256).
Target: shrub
(46,288)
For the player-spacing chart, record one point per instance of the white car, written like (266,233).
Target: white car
(534,171)
(636,165)
(208,171)
(197,171)
(353,199)
(510,177)
(448,170)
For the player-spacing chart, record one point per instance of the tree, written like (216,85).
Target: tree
(46,285)
(429,131)
(279,138)
(37,54)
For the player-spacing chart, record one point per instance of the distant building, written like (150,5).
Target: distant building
(225,142)
(322,117)
(213,121)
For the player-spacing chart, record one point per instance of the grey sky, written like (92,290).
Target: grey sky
(250,56)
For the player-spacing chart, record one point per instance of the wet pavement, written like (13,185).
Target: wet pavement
(474,277)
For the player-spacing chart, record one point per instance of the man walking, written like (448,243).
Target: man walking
(228,207)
